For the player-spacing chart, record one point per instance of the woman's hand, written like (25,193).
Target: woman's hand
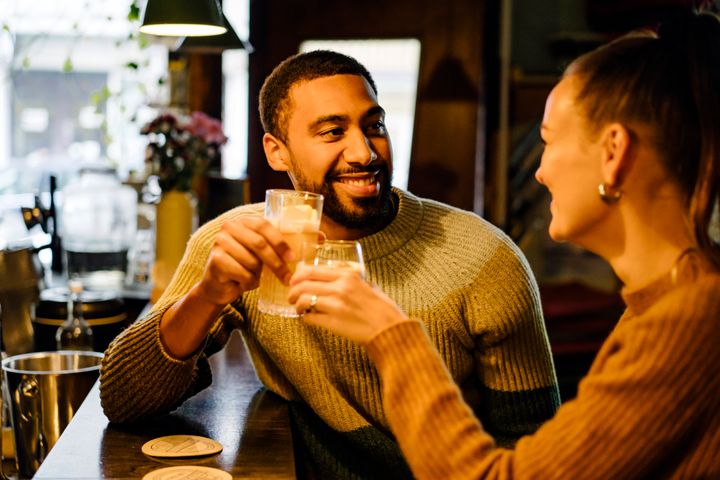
(345,304)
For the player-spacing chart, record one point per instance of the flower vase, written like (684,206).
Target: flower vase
(175,221)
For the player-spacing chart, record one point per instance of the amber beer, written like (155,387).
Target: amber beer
(297,215)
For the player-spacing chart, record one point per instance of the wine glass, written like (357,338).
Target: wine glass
(343,254)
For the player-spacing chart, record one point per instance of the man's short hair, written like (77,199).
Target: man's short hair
(275,93)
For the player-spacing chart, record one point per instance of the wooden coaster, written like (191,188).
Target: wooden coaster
(187,472)
(181,446)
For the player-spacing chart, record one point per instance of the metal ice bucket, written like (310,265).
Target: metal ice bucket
(45,390)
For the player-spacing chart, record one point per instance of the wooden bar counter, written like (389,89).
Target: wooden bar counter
(250,422)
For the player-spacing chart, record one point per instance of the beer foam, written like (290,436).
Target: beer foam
(298,218)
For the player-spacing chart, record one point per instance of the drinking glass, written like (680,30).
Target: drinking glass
(297,215)
(344,254)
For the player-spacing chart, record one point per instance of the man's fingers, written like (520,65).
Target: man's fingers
(260,238)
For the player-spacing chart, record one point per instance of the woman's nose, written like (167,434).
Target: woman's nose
(539,174)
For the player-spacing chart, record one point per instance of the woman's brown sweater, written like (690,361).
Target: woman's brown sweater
(649,407)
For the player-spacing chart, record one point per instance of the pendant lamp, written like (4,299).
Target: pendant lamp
(216,43)
(183,18)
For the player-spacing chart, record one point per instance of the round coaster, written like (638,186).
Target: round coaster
(187,472)
(181,446)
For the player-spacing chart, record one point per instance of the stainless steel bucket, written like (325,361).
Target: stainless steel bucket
(45,390)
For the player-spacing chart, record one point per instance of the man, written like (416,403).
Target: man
(462,277)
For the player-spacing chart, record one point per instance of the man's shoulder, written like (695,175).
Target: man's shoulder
(456,222)
(211,227)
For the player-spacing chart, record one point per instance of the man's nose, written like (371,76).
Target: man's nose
(359,149)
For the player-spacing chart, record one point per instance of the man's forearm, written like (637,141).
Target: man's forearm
(184,326)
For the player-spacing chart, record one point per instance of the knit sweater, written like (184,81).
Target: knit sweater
(648,408)
(460,277)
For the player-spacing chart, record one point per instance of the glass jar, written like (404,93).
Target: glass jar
(98,224)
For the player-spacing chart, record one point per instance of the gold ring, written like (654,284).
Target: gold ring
(313,303)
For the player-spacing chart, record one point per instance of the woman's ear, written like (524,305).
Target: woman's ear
(616,143)
(276,153)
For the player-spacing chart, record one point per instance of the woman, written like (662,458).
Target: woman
(632,160)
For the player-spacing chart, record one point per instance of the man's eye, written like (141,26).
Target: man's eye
(334,132)
(378,127)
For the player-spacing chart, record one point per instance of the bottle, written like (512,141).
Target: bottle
(74,333)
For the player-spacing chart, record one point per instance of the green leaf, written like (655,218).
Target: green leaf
(143,41)
(26,62)
(134,13)
(67,65)
(100,96)
(6,27)
(132,65)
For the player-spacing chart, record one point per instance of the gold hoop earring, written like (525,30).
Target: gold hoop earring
(607,194)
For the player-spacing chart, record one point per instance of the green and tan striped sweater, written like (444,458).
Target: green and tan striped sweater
(470,287)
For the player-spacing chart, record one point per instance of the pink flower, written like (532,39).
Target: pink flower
(207,128)
(182,148)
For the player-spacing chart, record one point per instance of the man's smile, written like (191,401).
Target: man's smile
(360,183)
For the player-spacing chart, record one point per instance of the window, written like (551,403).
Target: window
(393,65)
(235,94)
(76,88)
(76,85)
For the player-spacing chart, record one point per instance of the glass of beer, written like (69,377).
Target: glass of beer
(345,254)
(297,215)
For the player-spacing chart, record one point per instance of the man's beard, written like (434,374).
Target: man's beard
(369,212)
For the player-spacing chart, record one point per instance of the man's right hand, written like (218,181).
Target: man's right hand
(236,259)
(233,267)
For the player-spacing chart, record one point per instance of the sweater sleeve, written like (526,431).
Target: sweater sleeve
(512,352)
(138,378)
(656,389)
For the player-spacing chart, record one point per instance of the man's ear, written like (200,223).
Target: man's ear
(276,153)
(616,158)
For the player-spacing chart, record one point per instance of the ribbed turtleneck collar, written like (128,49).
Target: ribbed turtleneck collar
(686,269)
(403,227)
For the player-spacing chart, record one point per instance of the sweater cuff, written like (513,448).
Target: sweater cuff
(124,379)
(151,331)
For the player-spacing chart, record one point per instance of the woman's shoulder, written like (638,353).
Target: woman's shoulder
(693,304)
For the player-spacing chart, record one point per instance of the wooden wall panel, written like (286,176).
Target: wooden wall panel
(448,142)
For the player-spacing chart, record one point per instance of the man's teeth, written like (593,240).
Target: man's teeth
(360,182)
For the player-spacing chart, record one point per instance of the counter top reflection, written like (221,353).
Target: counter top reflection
(250,422)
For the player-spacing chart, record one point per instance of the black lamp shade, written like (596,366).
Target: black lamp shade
(216,43)
(183,18)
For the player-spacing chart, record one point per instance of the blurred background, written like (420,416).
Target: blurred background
(464,83)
